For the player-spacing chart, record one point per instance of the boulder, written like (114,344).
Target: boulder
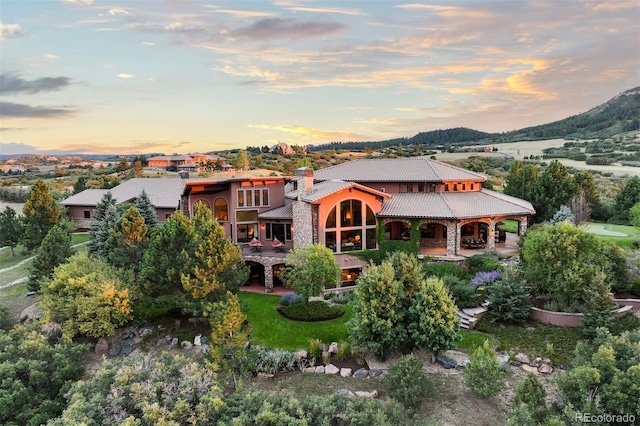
(446,361)
(331,369)
(372,394)
(503,360)
(309,370)
(546,361)
(522,358)
(127,348)
(345,372)
(333,348)
(545,369)
(361,373)
(529,369)
(320,369)
(375,372)
(174,343)
(302,354)
(186,344)
(115,349)
(265,375)
(197,340)
(205,349)
(344,392)
(536,362)
(102,347)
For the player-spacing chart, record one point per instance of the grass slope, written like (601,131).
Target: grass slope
(271,330)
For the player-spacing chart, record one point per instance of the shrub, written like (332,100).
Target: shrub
(260,360)
(406,382)
(462,292)
(315,348)
(290,298)
(509,299)
(312,311)
(5,319)
(627,322)
(483,262)
(483,374)
(344,350)
(635,288)
(442,269)
(483,278)
(342,298)
(531,394)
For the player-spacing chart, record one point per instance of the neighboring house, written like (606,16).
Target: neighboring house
(191,162)
(282,148)
(342,206)
(163,193)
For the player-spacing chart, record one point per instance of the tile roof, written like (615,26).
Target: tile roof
(284,212)
(326,188)
(417,169)
(163,193)
(88,197)
(454,205)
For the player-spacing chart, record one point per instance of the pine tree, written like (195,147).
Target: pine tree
(554,188)
(41,212)
(104,221)
(483,373)
(520,179)
(54,250)
(228,334)
(628,196)
(11,228)
(127,241)
(147,210)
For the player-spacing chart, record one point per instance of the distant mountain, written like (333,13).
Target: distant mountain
(618,115)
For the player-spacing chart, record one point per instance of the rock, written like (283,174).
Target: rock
(344,392)
(186,344)
(536,362)
(503,360)
(333,348)
(372,394)
(320,369)
(375,372)
(102,347)
(146,331)
(545,369)
(174,343)
(529,369)
(522,358)
(331,369)
(127,348)
(309,370)
(205,349)
(345,372)
(302,354)
(197,340)
(361,373)
(546,361)
(115,349)
(446,361)
(265,375)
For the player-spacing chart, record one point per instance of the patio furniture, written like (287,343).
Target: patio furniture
(255,244)
(277,245)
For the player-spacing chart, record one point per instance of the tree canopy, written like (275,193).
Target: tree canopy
(309,270)
(41,212)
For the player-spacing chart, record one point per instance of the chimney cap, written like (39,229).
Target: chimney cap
(305,171)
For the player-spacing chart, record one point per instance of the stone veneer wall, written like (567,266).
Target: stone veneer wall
(302,224)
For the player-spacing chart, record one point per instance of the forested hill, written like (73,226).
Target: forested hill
(620,114)
(435,137)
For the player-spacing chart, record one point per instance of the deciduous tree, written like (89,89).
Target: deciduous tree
(309,270)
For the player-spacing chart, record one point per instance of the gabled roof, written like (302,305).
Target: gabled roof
(419,169)
(326,188)
(454,205)
(88,197)
(283,212)
(163,193)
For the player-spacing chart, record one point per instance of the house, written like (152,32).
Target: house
(354,206)
(191,162)
(164,195)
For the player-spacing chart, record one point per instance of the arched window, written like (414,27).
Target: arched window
(201,201)
(350,225)
(221,210)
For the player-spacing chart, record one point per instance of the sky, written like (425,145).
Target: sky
(181,76)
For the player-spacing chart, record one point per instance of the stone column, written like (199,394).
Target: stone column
(453,238)
(268,278)
(491,235)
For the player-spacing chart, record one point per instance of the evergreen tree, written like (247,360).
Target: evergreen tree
(520,179)
(99,231)
(628,196)
(555,187)
(11,229)
(80,185)
(127,241)
(41,212)
(54,250)
(147,210)
(167,256)
(483,373)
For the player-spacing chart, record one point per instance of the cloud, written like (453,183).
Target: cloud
(11,83)
(125,75)
(340,11)
(311,133)
(148,43)
(284,28)
(9,31)
(448,11)
(244,13)
(117,11)
(78,2)
(13,110)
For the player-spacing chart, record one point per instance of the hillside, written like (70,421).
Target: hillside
(618,115)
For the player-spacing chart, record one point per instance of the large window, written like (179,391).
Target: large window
(253,197)
(221,210)
(281,231)
(350,226)
(246,225)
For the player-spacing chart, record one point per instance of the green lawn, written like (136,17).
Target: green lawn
(7,260)
(509,225)
(608,232)
(80,238)
(272,331)
(472,339)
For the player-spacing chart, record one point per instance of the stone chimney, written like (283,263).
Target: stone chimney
(304,181)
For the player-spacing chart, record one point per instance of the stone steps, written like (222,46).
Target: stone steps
(469,317)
